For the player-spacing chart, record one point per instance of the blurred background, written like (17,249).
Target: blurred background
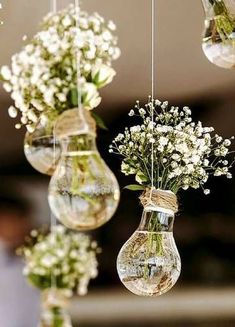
(205,227)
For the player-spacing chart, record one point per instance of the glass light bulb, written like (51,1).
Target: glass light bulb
(40,148)
(218,41)
(149,263)
(83,192)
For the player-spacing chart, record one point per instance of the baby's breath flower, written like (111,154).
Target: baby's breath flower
(142,111)
(68,257)
(12,111)
(185,153)
(43,75)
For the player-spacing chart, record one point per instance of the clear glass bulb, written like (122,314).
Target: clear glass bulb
(83,192)
(218,41)
(40,148)
(149,263)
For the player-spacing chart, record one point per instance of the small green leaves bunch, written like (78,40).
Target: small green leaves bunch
(62,259)
(185,153)
(43,76)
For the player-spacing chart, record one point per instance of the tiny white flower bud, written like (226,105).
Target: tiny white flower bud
(12,111)
(17,126)
(30,128)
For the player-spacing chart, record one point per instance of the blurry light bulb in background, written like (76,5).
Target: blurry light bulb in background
(149,263)
(218,41)
(41,149)
(83,192)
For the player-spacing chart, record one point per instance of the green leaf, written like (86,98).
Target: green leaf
(73,96)
(99,121)
(135,187)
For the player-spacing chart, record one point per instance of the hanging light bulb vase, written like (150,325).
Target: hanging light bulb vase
(219,35)
(149,263)
(55,309)
(41,149)
(83,192)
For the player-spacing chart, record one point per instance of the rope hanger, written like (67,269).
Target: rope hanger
(152,87)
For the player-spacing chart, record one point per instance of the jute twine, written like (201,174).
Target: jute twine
(71,123)
(54,297)
(160,198)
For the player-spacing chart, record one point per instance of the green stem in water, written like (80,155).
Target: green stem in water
(224,21)
(58,320)
(154,237)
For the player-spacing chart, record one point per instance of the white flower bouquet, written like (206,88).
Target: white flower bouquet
(42,78)
(185,153)
(62,259)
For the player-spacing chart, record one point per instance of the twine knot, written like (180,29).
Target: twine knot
(161,198)
(70,123)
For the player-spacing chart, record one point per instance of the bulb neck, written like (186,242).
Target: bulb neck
(82,143)
(155,219)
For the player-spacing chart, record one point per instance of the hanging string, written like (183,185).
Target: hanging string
(153,87)
(54,6)
(153,46)
(53,10)
(78,64)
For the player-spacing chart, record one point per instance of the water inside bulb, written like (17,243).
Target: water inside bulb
(149,263)
(83,192)
(218,41)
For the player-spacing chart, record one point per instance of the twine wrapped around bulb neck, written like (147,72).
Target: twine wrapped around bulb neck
(70,123)
(160,198)
(53,297)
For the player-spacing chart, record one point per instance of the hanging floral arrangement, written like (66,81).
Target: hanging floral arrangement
(59,264)
(42,78)
(70,59)
(165,153)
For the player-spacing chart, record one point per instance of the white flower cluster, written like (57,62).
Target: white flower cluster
(43,76)
(65,258)
(185,153)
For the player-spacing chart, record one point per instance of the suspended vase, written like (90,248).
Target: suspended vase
(149,263)
(55,309)
(219,35)
(41,149)
(83,192)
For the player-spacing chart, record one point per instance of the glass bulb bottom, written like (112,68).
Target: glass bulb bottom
(220,54)
(219,41)
(83,192)
(149,263)
(86,211)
